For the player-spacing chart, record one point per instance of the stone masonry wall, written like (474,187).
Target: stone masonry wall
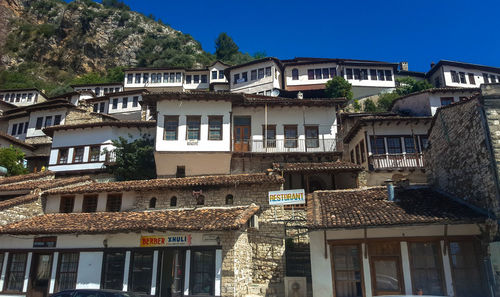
(21,212)
(458,158)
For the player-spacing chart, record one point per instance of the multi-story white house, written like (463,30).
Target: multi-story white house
(22,97)
(262,77)
(124,105)
(217,78)
(464,75)
(99,89)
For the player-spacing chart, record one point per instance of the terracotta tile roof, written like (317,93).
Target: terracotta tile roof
(44,184)
(323,166)
(169,183)
(198,219)
(438,90)
(358,208)
(19,200)
(16,141)
(129,124)
(25,177)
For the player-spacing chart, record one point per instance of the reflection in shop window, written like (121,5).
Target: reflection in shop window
(202,272)
(113,267)
(68,266)
(141,272)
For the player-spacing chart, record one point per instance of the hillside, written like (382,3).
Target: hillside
(49,43)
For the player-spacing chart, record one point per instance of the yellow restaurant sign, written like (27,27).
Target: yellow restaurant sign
(287,197)
(174,240)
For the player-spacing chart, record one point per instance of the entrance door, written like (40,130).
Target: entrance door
(241,138)
(172,273)
(40,275)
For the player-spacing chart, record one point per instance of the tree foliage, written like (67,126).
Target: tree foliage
(408,85)
(225,47)
(13,159)
(338,87)
(134,158)
(112,75)
(115,4)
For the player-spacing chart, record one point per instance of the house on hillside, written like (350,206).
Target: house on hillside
(124,105)
(446,74)
(22,97)
(99,89)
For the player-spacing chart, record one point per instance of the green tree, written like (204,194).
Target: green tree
(369,106)
(259,55)
(356,105)
(134,159)
(408,85)
(384,102)
(338,87)
(13,159)
(225,47)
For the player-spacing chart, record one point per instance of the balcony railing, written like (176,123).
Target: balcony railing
(285,145)
(110,157)
(396,161)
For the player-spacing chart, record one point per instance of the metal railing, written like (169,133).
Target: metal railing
(395,161)
(286,145)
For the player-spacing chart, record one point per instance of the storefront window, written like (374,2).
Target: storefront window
(347,271)
(113,270)
(141,272)
(15,272)
(465,268)
(202,272)
(426,268)
(68,267)
(385,262)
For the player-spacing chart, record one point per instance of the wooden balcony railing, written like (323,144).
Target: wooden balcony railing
(396,161)
(286,145)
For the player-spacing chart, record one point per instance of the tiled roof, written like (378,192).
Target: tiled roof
(44,184)
(129,124)
(169,183)
(358,208)
(18,200)
(323,166)
(438,90)
(197,219)
(16,141)
(25,177)
(462,65)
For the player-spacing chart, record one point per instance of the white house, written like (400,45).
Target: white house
(262,77)
(158,79)
(22,97)
(463,75)
(124,105)
(99,89)
(217,78)
(87,147)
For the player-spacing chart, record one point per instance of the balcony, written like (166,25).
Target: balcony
(396,161)
(110,158)
(286,145)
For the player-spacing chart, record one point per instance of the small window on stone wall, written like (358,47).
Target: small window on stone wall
(152,202)
(173,201)
(200,200)
(229,199)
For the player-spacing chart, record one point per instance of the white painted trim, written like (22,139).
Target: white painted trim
(27,272)
(405,261)
(155,270)
(186,272)
(366,272)
(126,270)
(4,269)
(218,269)
(447,270)
(52,284)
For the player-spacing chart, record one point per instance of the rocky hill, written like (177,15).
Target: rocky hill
(47,43)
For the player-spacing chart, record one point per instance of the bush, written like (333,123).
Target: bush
(13,159)
(338,87)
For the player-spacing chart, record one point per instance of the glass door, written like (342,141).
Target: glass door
(40,275)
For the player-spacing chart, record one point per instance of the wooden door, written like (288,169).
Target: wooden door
(40,275)
(241,138)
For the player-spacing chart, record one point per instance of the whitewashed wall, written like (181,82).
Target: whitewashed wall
(258,85)
(199,85)
(99,90)
(478,77)
(303,76)
(32,131)
(217,67)
(36,97)
(141,84)
(128,202)
(17,121)
(369,82)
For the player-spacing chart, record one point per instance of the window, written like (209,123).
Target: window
(493,79)
(173,201)
(145,78)
(386,267)
(200,200)
(14,129)
(312,136)
(271,135)
(165,77)
(333,72)
(114,203)
(193,127)
(129,78)
(68,268)
(317,73)
(153,78)
(352,156)
(20,128)
(152,202)
(244,76)
(357,74)
(446,101)
(348,73)
(137,78)
(141,271)
(124,102)
(426,269)
(253,74)
(295,74)
(465,267)
(97,91)
(410,145)
(66,204)
(485,78)
(358,159)
(462,78)
(202,276)
(291,136)
(204,78)
(94,153)
(363,153)
(24,97)
(178,77)
(2,256)
(135,101)
(172,77)
(268,71)
(229,199)
(16,269)
(196,79)
(221,74)
(171,127)
(326,73)
(48,121)
(260,73)
(310,74)
(388,75)
(106,90)
(364,74)
(215,128)
(394,145)
(89,203)
(423,143)
(25,127)
(30,96)
(39,123)
(347,271)
(57,120)
(379,148)
(102,105)
(78,154)
(115,103)
(62,158)
(117,90)
(454,76)
(113,268)
(181,171)
(18,97)
(380,75)
(188,79)
(214,74)
(6,97)
(373,74)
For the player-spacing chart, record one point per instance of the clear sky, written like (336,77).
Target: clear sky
(415,31)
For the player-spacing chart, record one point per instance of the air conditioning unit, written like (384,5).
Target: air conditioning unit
(295,286)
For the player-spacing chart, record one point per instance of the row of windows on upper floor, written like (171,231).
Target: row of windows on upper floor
(193,128)
(460,77)
(19,97)
(364,74)
(172,77)
(100,107)
(219,74)
(78,155)
(97,90)
(22,128)
(254,75)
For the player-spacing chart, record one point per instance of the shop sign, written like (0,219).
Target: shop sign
(174,240)
(287,197)
(45,242)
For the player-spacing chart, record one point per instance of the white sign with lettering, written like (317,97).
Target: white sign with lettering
(287,197)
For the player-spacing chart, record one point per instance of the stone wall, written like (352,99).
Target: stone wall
(80,116)
(458,158)
(21,212)
(236,264)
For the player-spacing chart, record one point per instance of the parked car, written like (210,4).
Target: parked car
(96,293)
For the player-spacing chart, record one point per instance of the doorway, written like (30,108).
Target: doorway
(172,272)
(242,134)
(40,271)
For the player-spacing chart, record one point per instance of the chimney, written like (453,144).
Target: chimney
(390,189)
(403,66)
(300,95)
(433,64)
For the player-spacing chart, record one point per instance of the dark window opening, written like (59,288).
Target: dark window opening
(173,201)
(229,199)
(114,203)
(181,171)
(152,202)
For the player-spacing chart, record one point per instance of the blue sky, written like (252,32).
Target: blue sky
(415,31)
